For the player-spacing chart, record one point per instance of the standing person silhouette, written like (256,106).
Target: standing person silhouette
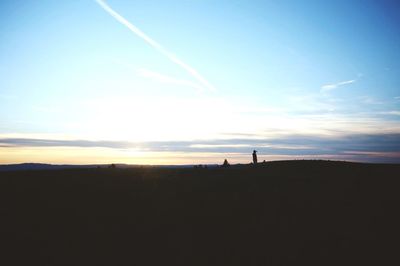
(255,157)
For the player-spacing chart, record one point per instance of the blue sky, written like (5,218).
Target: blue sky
(199,81)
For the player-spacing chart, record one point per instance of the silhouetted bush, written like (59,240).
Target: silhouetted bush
(225,164)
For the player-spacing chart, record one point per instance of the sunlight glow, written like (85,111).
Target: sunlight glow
(100,81)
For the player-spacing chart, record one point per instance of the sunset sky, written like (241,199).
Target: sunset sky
(186,82)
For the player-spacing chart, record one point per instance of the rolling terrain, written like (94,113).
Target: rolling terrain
(278,213)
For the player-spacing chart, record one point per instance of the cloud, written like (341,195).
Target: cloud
(193,72)
(394,112)
(370,100)
(167,79)
(7,96)
(35,142)
(333,86)
(362,147)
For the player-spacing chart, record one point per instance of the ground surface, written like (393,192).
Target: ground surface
(280,213)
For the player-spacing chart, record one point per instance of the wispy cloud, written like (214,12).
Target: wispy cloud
(370,146)
(162,78)
(157,76)
(370,100)
(333,86)
(394,112)
(7,96)
(193,72)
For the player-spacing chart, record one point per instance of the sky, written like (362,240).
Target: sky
(190,82)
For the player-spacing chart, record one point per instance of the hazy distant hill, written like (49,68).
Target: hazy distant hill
(279,213)
(41,166)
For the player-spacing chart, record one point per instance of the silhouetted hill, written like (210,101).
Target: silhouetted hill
(42,166)
(278,213)
(39,166)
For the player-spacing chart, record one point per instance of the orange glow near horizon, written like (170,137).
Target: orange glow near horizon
(81,156)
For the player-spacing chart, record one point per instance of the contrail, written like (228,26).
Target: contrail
(156,45)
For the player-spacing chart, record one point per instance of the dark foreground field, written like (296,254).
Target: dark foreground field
(281,213)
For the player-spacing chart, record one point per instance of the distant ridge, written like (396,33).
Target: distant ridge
(43,166)
(40,166)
